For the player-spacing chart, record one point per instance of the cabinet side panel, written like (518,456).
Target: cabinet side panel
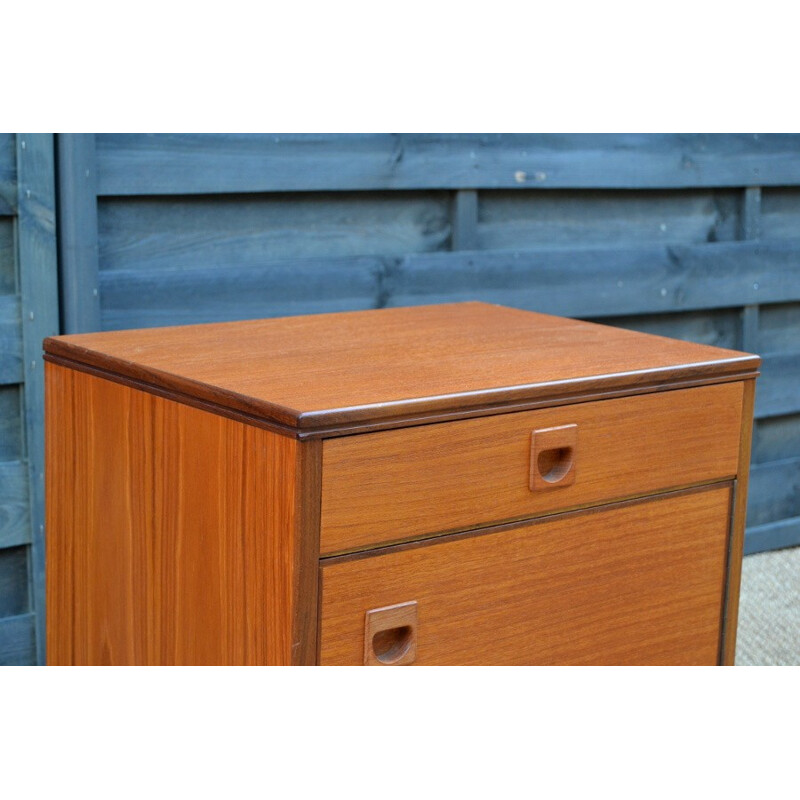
(738,527)
(173,532)
(99,509)
(223,562)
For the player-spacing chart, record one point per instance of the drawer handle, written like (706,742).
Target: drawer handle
(553,456)
(390,635)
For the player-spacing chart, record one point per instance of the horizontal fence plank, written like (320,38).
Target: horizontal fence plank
(148,298)
(14,581)
(8,173)
(717,327)
(780,212)
(509,220)
(778,388)
(11,446)
(590,283)
(8,257)
(217,232)
(14,509)
(10,340)
(144,164)
(776,438)
(18,641)
(605,282)
(779,328)
(773,536)
(774,491)
(8,157)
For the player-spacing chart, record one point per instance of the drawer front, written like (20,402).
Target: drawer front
(636,583)
(398,485)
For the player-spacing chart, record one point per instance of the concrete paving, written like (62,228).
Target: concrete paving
(769,609)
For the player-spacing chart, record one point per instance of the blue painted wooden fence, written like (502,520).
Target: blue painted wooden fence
(28,312)
(692,236)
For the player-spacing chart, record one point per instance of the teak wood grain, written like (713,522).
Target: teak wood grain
(401,484)
(640,583)
(205,482)
(315,373)
(174,536)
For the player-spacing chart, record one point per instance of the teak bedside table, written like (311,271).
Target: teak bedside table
(454,484)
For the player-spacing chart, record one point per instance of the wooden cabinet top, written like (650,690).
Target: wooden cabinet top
(333,373)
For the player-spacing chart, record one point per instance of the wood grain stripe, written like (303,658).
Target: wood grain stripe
(174,536)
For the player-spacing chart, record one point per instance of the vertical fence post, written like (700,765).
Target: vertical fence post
(77,233)
(38,282)
(465,220)
(750,229)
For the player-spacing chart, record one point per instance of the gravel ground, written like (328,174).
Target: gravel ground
(769,609)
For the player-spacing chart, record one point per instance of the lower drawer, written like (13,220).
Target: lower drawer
(640,582)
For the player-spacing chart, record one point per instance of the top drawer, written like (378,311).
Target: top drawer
(403,484)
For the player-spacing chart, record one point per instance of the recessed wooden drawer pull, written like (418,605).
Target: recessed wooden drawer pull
(390,636)
(553,456)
